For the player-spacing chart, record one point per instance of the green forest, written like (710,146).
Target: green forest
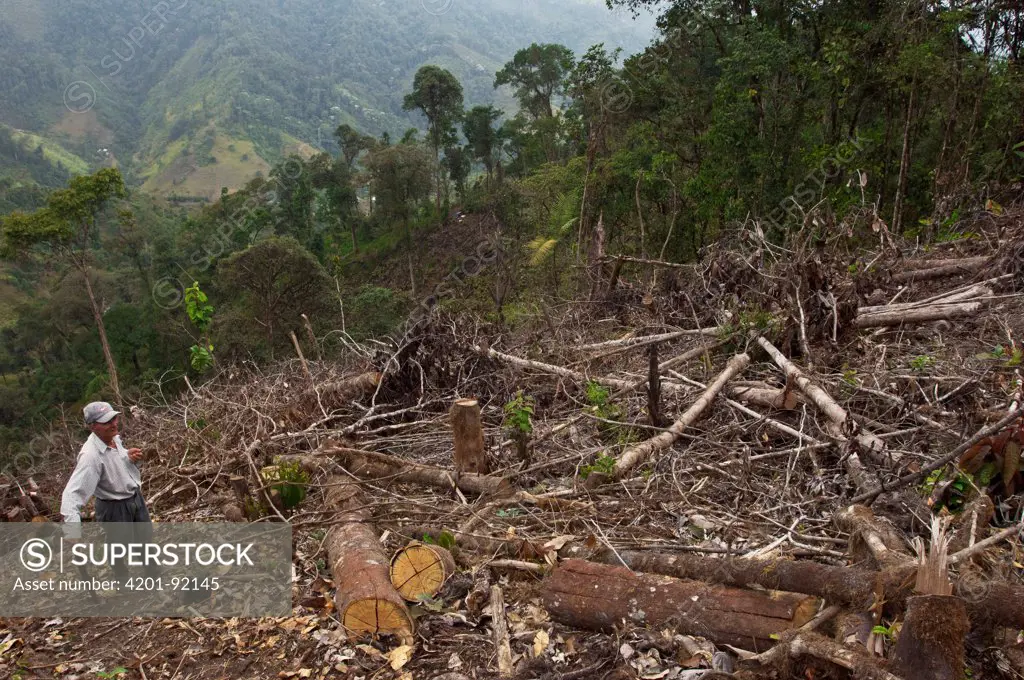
(881,117)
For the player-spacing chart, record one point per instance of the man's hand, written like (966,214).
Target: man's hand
(134,455)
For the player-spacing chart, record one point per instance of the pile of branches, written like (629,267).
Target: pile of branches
(617,483)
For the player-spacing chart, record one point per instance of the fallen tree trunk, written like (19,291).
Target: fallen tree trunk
(968,265)
(961,295)
(835,413)
(778,398)
(567,373)
(636,455)
(372,465)
(599,597)
(511,548)
(310,405)
(988,602)
(902,317)
(366,601)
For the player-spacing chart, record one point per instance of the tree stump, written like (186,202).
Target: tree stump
(930,645)
(367,603)
(467,428)
(419,570)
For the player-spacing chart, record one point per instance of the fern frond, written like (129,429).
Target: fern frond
(541,248)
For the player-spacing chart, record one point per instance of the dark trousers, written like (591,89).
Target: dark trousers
(126,521)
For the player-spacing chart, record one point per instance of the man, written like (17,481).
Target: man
(109,471)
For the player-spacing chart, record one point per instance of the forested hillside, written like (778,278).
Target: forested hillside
(165,89)
(637,335)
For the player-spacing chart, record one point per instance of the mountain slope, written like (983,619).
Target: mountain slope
(137,79)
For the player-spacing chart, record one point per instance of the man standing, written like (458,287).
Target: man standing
(109,471)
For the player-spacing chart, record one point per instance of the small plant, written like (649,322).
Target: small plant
(888,632)
(118,672)
(445,539)
(1011,358)
(604,465)
(850,376)
(597,394)
(922,362)
(519,422)
(200,313)
(289,480)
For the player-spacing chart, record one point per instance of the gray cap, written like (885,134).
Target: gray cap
(99,412)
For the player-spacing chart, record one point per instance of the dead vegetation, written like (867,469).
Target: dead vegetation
(638,509)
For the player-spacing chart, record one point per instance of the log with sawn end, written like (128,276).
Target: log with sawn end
(367,602)
(596,596)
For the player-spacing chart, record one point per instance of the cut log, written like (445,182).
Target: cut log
(419,571)
(468,432)
(856,587)
(964,295)
(513,548)
(372,465)
(968,265)
(599,597)
(636,455)
(638,341)
(918,315)
(778,398)
(366,601)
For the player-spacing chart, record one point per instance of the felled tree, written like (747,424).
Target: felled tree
(69,226)
(273,283)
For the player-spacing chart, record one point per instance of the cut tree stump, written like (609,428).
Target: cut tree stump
(599,597)
(468,432)
(930,645)
(367,602)
(373,465)
(419,570)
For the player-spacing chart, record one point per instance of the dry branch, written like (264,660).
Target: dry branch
(778,398)
(499,625)
(638,341)
(372,465)
(636,455)
(599,597)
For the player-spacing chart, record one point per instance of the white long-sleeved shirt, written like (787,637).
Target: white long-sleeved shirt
(103,471)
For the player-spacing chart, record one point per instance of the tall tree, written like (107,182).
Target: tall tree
(537,75)
(69,226)
(334,177)
(438,94)
(482,136)
(272,284)
(400,178)
(352,143)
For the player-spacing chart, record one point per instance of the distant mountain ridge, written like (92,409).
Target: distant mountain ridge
(184,95)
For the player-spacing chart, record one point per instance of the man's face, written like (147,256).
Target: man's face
(106,431)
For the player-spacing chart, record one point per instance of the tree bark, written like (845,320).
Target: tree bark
(599,597)
(306,407)
(778,398)
(101,327)
(930,645)
(366,601)
(468,433)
